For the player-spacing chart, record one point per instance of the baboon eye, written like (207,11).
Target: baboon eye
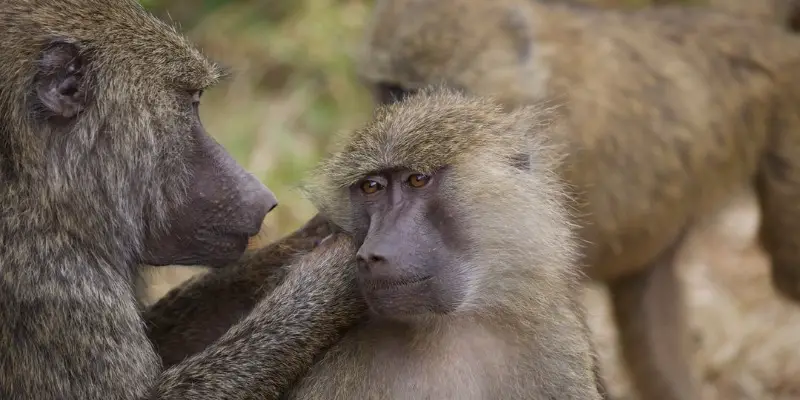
(418,180)
(370,186)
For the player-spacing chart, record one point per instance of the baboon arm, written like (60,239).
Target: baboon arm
(652,330)
(275,344)
(195,314)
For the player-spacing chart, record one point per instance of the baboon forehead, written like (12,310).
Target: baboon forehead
(436,128)
(119,34)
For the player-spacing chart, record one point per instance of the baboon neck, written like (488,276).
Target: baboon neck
(56,249)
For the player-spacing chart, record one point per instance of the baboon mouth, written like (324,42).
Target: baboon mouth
(257,241)
(391,284)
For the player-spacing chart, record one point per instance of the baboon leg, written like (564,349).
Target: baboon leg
(196,313)
(649,313)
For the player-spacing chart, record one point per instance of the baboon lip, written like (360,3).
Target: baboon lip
(391,284)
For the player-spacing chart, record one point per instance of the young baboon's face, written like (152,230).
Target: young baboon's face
(133,142)
(409,257)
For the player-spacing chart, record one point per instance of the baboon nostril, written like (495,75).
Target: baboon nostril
(371,259)
(272,207)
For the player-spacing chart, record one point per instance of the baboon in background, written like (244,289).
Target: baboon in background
(667,113)
(104,165)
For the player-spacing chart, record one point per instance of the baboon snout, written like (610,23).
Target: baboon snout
(235,201)
(372,259)
(383,259)
(369,258)
(225,207)
(256,201)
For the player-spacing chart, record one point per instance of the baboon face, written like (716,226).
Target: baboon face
(408,259)
(140,149)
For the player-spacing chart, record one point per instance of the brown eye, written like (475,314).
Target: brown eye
(369,186)
(418,180)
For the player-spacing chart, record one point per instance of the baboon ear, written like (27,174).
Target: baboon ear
(60,80)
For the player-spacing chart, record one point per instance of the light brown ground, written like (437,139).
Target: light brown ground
(748,339)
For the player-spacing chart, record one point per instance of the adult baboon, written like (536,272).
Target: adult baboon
(104,164)
(668,112)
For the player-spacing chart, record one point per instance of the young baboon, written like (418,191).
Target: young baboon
(466,258)
(667,113)
(105,165)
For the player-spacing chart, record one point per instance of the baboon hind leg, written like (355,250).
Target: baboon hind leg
(649,313)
